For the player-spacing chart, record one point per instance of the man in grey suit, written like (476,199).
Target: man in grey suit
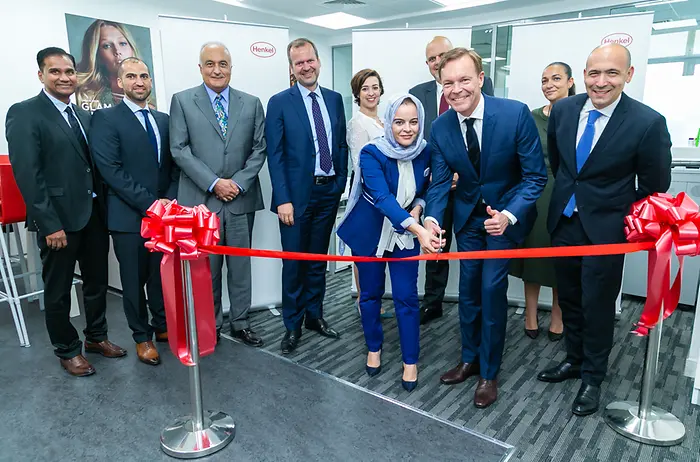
(217,138)
(430,94)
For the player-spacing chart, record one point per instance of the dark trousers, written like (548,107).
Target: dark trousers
(89,247)
(404,291)
(138,268)
(437,272)
(588,288)
(304,282)
(483,297)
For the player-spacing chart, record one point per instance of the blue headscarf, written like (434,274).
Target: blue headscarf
(389,147)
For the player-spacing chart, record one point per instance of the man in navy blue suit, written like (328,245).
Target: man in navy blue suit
(606,151)
(131,147)
(308,161)
(493,145)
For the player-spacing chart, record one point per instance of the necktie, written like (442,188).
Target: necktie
(221,116)
(325,160)
(473,146)
(583,150)
(151,133)
(73,122)
(443,104)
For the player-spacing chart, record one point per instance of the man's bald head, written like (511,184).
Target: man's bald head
(608,69)
(434,51)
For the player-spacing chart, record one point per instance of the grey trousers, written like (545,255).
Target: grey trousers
(236,231)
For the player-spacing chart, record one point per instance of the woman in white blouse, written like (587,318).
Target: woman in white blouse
(367,89)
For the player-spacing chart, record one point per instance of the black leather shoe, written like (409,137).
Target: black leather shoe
(532,333)
(249,337)
(587,400)
(290,341)
(563,371)
(429,314)
(322,327)
(218,336)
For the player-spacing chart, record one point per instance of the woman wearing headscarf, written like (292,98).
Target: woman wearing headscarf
(383,219)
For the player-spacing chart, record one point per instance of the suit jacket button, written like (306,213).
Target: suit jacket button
(89,191)
(88,170)
(576,183)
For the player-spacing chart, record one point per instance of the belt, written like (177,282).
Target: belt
(324,179)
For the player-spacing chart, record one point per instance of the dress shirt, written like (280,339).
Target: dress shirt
(599,124)
(305,92)
(224,102)
(361,130)
(61,106)
(135,108)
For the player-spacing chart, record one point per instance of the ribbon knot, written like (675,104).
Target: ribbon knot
(669,222)
(175,226)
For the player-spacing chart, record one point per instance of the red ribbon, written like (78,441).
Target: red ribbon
(669,222)
(180,232)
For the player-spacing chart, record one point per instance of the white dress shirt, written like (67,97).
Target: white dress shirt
(305,96)
(361,130)
(439,95)
(135,108)
(61,106)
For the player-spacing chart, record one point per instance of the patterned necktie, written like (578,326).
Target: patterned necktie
(473,146)
(151,133)
(75,126)
(325,160)
(221,116)
(443,104)
(583,150)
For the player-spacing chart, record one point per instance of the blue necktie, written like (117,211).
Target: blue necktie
(325,161)
(583,150)
(220,113)
(151,133)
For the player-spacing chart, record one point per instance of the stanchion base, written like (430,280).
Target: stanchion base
(660,428)
(181,441)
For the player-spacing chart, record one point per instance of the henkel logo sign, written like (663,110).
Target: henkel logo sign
(619,37)
(263,49)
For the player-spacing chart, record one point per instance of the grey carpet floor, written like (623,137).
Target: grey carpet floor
(534,417)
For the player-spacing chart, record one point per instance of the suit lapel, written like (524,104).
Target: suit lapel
(201,99)
(300,106)
(135,127)
(571,131)
(235,108)
(459,146)
(55,116)
(431,108)
(618,116)
(487,127)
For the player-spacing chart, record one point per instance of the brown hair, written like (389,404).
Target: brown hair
(457,53)
(298,43)
(359,79)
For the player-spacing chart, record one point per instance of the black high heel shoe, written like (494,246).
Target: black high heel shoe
(533,333)
(554,337)
(372,371)
(409,386)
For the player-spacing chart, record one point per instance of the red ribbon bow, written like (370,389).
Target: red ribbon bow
(173,225)
(669,222)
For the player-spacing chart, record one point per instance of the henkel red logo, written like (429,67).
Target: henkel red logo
(619,37)
(263,49)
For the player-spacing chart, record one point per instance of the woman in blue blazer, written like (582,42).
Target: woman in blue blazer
(383,219)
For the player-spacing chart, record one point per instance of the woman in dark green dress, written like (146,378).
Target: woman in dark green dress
(557,83)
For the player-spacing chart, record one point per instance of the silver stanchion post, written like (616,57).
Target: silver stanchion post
(202,433)
(642,421)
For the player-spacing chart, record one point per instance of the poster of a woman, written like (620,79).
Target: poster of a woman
(99,46)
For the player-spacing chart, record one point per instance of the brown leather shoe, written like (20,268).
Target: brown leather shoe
(147,353)
(460,373)
(486,393)
(105,348)
(161,337)
(77,366)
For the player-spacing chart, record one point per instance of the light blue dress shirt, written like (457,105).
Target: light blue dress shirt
(326,122)
(135,108)
(224,101)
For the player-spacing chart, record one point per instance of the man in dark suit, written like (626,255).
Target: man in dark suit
(493,145)
(600,144)
(308,162)
(435,104)
(130,145)
(65,206)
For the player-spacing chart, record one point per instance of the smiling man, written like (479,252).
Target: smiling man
(494,147)
(606,151)
(308,162)
(51,161)
(217,137)
(130,144)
